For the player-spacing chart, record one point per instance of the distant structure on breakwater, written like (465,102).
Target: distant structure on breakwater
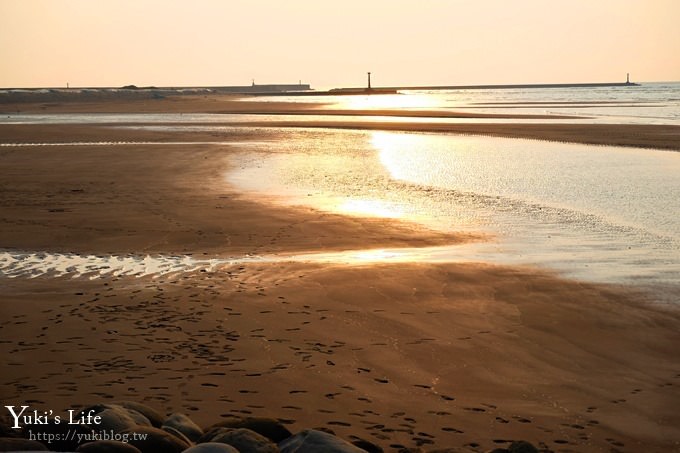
(95,94)
(500,87)
(299,89)
(394,90)
(253,88)
(262,89)
(511,86)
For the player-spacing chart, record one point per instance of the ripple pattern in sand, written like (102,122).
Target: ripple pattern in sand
(46,264)
(41,264)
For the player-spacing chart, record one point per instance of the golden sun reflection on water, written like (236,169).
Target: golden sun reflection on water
(387,101)
(371,256)
(373,208)
(396,153)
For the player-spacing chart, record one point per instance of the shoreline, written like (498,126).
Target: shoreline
(657,136)
(627,135)
(468,354)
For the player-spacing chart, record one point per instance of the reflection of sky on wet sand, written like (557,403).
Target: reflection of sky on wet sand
(595,213)
(601,213)
(371,208)
(387,101)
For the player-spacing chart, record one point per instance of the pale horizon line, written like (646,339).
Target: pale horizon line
(196,86)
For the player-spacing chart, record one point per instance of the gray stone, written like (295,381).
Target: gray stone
(369,446)
(65,437)
(212,447)
(177,434)
(246,441)
(154,417)
(115,417)
(185,425)
(313,441)
(156,440)
(107,446)
(18,444)
(267,427)
(6,429)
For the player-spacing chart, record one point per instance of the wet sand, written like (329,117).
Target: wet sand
(438,355)
(636,135)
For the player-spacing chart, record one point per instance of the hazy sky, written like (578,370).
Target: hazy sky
(334,43)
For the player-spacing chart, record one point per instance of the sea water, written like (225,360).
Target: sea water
(647,103)
(592,212)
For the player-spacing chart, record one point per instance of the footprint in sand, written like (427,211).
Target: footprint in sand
(339,423)
(615,442)
(521,419)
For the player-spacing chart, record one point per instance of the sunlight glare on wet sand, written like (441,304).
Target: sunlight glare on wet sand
(398,153)
(387,101)
(599,213)
(373,208)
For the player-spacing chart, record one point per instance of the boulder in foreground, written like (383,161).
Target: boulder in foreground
(107,446)
(313,441)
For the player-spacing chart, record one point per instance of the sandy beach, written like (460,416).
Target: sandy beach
(470,356)
(637,135)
